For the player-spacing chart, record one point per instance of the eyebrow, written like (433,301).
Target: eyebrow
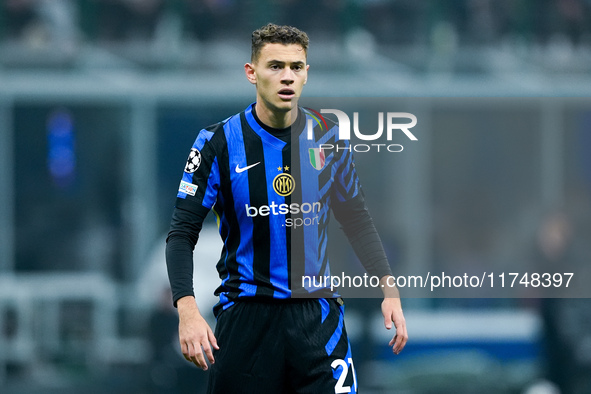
(298,62)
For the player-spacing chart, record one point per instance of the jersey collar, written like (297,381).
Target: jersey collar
(264,134)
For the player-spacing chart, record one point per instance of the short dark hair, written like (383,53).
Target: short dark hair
(275,34)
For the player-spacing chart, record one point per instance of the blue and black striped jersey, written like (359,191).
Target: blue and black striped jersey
(272,200)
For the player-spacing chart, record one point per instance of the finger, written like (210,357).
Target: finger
(208,352)
(397,344)
(200,359)
(185,351)
(188,352)
(400,339)
(388,321)
(213,340)
(193,353)
(404,341)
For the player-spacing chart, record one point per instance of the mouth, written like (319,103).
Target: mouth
(286,94)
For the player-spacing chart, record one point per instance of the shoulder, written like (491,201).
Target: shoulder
(214,135)
(324,127)
(213,130)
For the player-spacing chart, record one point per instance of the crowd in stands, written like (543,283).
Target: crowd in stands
(400,22)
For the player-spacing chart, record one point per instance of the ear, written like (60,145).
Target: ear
(307,69)
(250,73)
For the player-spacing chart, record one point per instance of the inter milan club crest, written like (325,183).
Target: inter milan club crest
(317,158)
(283,183)
(193,161)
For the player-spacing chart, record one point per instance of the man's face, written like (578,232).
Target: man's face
(279,74)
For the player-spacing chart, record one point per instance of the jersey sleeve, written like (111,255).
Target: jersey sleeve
(349,208)
(196,196)
(358,226)
(201,177)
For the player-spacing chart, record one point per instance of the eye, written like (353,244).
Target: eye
(274,67)
(297,68)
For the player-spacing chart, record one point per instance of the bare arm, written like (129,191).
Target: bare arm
(195,335)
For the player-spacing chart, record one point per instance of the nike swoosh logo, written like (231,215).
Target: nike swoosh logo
(239,170)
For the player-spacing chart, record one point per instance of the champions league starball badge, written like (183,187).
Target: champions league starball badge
(193,161)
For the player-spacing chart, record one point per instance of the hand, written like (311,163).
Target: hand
(392,312)
(195,335)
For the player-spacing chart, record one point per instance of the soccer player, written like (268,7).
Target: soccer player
(272,189)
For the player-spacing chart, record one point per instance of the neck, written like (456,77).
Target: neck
(274,119)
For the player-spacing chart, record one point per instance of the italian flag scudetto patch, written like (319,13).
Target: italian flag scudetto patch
(317,158)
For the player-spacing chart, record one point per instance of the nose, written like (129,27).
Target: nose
(287,76)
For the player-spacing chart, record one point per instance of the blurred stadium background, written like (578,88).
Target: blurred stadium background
(100,101)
